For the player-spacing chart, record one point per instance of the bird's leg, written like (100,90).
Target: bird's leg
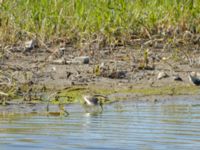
(101,105)
(47,108)
(63,111)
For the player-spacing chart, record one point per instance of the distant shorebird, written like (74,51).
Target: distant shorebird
(62,111)
(194,78)
(94,100)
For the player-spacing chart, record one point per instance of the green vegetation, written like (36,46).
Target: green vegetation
(103,21)
(74,94)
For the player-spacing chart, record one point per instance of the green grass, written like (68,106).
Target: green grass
(105,21)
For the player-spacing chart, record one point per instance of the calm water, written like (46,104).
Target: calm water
(120,126)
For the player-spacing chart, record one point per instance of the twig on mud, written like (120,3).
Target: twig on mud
(3,94)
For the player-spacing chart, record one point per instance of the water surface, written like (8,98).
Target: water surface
(120,126)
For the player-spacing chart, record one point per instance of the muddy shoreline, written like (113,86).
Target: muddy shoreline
(62,74)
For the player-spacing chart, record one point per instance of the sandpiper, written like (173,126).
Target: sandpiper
(194,78)
(94,100)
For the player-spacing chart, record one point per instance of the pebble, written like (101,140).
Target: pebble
(177,78)
(118,75)
(61,52)
(29,45)
(187,35)
(162,75)
(82,59)
(194,78)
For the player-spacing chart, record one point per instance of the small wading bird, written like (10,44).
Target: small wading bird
(94,100)
(194,78)
(61,107)
(61,112)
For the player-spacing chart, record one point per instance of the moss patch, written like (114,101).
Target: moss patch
(165,90)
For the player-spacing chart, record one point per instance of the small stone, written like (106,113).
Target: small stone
(61,52)
(194,78)
(162,75)
(118,75)
(53,69)
(82,59)
(177,78)
(68,74)
(187,35)
(102,65)
(29,45)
